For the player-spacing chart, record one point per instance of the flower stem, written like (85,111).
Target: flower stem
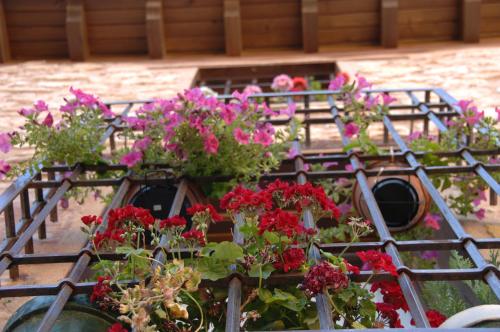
(199,308)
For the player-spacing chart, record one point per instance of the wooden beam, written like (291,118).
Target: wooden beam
(389,33)
(76,30)
(4,37)
(471,21)
(232,27)
(155,29)
(310,39)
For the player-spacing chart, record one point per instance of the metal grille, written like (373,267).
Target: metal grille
(426,107)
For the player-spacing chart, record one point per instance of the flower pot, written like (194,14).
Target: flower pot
(402,199)
(78,315)
(485,316)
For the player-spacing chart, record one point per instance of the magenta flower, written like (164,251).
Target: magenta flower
(64,203)
(5,144)
(362,82)
(41,106)
(142,144)
(83,98)
(349,168)
(433,221)
(252,89)
(136,123)
(351,129)
(282,83)
(131,158)
(370,102)
(473,116)
(387,99)
(70,107)
(289,111)
(480,214)
(343,182)
(329,164)
(48,121)
(240,136)
(414,136)
(242,97)
(227,115)
(429,255)
(497,109)
(481,196)
(262,137)
(344,208)
(268,111)
(211,144)
(293,152)
(26,111)
(105,110)
(307,167)
(337,83)
(464,104)
(4,169)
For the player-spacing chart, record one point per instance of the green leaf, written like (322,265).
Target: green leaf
(213,269)
(271,237)
(161,313)
(258,270)
(228,251)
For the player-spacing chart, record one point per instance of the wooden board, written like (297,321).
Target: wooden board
(429,20)
(271,24)
(116,27)
(194,26)
(342,21)
(36,29)
(490,18)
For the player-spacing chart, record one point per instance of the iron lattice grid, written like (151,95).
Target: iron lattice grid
(436,105)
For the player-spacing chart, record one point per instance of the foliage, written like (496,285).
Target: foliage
(201,136)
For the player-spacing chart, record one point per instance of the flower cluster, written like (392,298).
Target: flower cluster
(124,224)
(362,110)
(322,277)
(377,261)
(201,135)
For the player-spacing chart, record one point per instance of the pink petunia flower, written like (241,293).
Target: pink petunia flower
(4,169)
(344,208)
(211,144)
(227,115)
(48,121)
(414,136)
(142,144)
(464,104)
(387,99)
(289,111)
(497,109)
(370,102)
(5,144)
(64,203)
(429,255)
(240,136)
(131,158)
(293,152)
(41,106)
(432,221)
(26,111)
(473,116)
(351,129)
(329,164)
(337,83)
(480,214)
(481,196)
(252,89)
(262,137)
(282,83)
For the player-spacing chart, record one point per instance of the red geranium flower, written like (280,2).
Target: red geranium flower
(351,268)
(117,327)
(280,221)
(88,220)
(324,276)
(377,261)
(435,318)
(241,198)
(208,208)
(389,314)
(291,259)
(175,221)
(300,84)
(392,294)
(101,289)
(195,236)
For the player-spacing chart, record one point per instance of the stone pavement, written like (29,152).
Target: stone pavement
(465,71)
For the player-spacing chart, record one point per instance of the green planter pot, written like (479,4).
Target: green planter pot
(79,315)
